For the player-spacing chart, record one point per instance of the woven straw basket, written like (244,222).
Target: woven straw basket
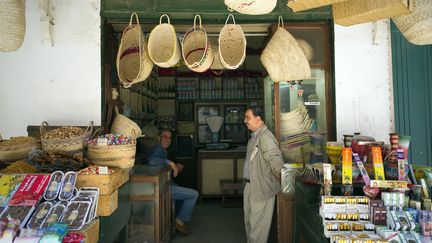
(120,156)
(125,126)
(163,45)
(133,62)
(12,24)
(306,48)
(300,5)
(251,7)
(11,153)
(417,26)
(232,45)
(283,58)
(72,146)
(196,49)
(362,11)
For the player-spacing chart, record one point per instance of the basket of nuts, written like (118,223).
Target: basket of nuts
(17,148)
(65,140)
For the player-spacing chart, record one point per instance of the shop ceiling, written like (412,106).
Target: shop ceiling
(211,11)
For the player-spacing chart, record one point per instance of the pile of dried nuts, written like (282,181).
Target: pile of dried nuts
(64,132)
(17,141)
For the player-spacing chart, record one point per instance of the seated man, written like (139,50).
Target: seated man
(158,156)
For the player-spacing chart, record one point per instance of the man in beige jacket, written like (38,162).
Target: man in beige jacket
(261,173)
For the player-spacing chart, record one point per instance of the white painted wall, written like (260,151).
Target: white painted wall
(363,76)
(59,84)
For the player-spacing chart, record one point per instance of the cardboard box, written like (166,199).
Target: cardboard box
(90,231)
(107,204)
(106,183)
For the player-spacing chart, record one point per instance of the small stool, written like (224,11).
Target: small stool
(235,199)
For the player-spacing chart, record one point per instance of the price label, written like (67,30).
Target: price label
(312,103)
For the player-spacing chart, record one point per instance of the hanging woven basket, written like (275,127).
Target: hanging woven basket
(163,45)
(232,45)
(362,11)
(133,62)
(12,24)
(306,48)
(283,58)
(300,5)
(417,26)
(251,7)
(196,50)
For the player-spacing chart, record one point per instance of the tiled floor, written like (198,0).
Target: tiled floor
(212,223)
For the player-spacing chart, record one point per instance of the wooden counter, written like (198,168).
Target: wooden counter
(217,165)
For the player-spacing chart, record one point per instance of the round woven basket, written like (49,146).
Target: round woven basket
(11,153)
(417,26)
(12,24)
(232,45)
(123,125)
(120,156)
(163,45)
(133,62)
(251,7)
(283,58)
(196,50)
(73,146)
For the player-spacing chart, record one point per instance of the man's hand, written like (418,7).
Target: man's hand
(174,168)
(180,167)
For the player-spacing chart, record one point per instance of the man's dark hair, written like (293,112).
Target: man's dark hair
(257,111)
(164,130)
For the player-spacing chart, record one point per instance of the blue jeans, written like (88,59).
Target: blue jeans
(188,199)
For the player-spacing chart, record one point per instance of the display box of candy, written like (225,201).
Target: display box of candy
(30,190)
(54,185)
(68,186)
(21,213)
(76,214)
(54,215)
(106,183)
(93,193)
(39,216)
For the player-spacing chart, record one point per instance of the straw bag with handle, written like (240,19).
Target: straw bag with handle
(232,45)
(417,26)
(196,50)
(12,24)
(163,45)
(125,126)
(133,62)
(283,58)
(300,5)
(251,7)
(362,11)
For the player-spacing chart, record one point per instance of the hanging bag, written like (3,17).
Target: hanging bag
(163,45)
(417,26)
(12,24)
(362,11)
(300,5)
(251,7)
(133,62)
(196,49)
(283,58)
(232,45)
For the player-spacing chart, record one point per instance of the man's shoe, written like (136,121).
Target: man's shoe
(181,227)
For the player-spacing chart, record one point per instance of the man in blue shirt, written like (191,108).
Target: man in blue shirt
(186,196)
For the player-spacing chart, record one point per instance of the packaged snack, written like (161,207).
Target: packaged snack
(39,216)
(92,192)
(30,191)
(54,215)
(54,185)
(68,186)
(76,214)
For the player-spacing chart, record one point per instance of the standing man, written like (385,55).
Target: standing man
(261,173)
(187,197)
